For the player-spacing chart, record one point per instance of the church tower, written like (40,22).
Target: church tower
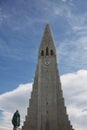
(47,110)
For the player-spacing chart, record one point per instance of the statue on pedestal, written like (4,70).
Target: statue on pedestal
(16,120)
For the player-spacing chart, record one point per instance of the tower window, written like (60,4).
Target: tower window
(47,126)
(47,52)
(42,53)
(47,112)
(51,52)
(47,103)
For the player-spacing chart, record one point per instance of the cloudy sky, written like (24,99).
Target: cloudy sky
(22,24)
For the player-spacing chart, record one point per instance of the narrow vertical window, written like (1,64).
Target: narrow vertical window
(47,52)
(47,103)
(51,52)
(42,53)
(47,112)
(47,126)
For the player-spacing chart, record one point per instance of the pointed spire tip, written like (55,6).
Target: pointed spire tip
(47,25)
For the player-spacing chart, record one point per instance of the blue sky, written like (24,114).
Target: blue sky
(22,24)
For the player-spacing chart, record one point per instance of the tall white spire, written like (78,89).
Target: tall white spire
(47,109)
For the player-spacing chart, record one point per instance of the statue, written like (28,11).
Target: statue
(16,119)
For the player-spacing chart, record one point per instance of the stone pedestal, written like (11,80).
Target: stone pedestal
(15,129)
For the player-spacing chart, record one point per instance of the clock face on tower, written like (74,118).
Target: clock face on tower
(47,63)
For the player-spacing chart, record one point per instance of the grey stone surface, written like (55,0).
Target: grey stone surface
(47,110)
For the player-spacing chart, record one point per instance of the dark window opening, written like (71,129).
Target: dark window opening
(47,52)
(47,103)
(47,126)
(47,112)
(42,53)
(51,52)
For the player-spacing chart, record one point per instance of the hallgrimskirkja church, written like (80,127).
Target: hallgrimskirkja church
(47,109)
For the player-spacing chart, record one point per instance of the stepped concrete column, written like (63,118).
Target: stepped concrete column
(46,110)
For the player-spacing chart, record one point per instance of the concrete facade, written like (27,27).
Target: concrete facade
(47,110)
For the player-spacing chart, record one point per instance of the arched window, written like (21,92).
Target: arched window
(51,52)
(47,52)
(42,53)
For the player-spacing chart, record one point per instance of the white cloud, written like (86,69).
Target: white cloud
(64,0)
(74,87)
(75,93)
(3,16)
(75,51)
(77,22)
(11,101)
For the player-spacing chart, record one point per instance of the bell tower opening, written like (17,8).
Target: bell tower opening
(51,52)
(42,53)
